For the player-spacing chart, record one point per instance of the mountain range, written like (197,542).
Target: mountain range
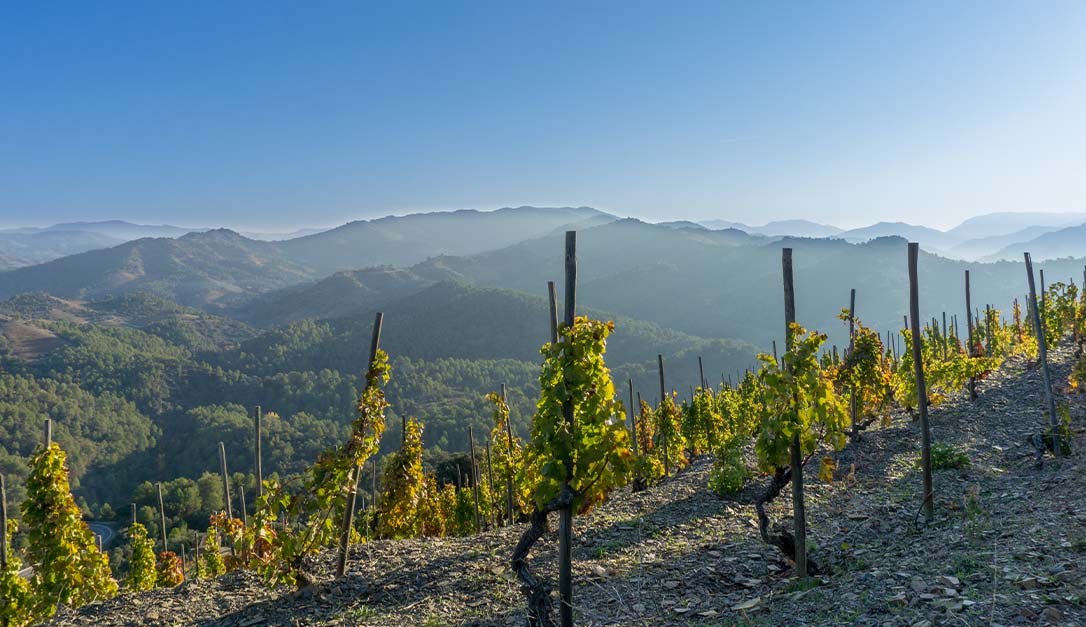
(712,283)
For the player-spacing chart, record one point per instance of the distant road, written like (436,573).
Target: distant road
(103,531)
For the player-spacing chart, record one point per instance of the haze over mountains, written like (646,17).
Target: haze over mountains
(711,283)
(402,240)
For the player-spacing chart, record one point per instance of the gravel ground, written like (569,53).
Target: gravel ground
(1006,546)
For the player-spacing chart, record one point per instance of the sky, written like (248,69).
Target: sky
(277,115)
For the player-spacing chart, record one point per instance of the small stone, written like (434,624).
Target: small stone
(950,581)
(1029,583)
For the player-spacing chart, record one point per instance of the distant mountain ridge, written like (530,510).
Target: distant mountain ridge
(221,268)
(778,228)
(1066,242)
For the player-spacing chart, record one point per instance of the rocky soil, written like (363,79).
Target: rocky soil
(1007,546)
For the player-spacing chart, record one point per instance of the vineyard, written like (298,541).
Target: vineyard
(815,489)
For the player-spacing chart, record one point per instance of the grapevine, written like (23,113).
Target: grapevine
(595,447)
(68,567)
(141,567)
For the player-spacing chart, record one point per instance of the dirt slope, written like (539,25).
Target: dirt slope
(1006,548)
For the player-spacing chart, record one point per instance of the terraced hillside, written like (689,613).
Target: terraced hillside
(1005,547)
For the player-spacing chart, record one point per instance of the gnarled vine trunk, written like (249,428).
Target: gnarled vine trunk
(784,540)
(536,592)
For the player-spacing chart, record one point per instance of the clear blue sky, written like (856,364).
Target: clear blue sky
(276,115)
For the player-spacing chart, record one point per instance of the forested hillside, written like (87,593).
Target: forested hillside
(158,385)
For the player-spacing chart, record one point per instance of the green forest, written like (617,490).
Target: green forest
(141,390)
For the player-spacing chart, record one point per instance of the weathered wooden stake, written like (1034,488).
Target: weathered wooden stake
(553,296)
(701,372)
(565,528)
(133,508)
(921,389)
(1042,352)
(3,532)
(799,514)
(244,509)
(663,427)
(196,556)
(969,328)
(258,454)
(352,479)
(3,525)
(988,328)
(490,486)
(509,449)
(946,345)
(633,418)
(161,516)
(474,479)
(373,491)
(226,489)
(1044,293)
(48,432)
(852,347)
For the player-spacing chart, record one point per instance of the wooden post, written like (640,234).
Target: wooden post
(906,319)
(633,418)
(776,359)
(196,556)
(969,329)
(851,347)
(1042,352)
(701,372)
(799,514)
(663,428)
(48,432)
(352,479)
(184,564)
(946,345)
(225,481)
(565,528)
(553,311)
(244,509)
(490,484)
(226,489)
(257,452)
(474,479)
(921,389)
(4,534)
(1044,294)
(3,525)
(988,328)
(161,515)
(851,320)
(509,470)
(133,508)
(373,490)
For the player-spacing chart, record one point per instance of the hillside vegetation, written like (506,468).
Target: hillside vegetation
(1003,548)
